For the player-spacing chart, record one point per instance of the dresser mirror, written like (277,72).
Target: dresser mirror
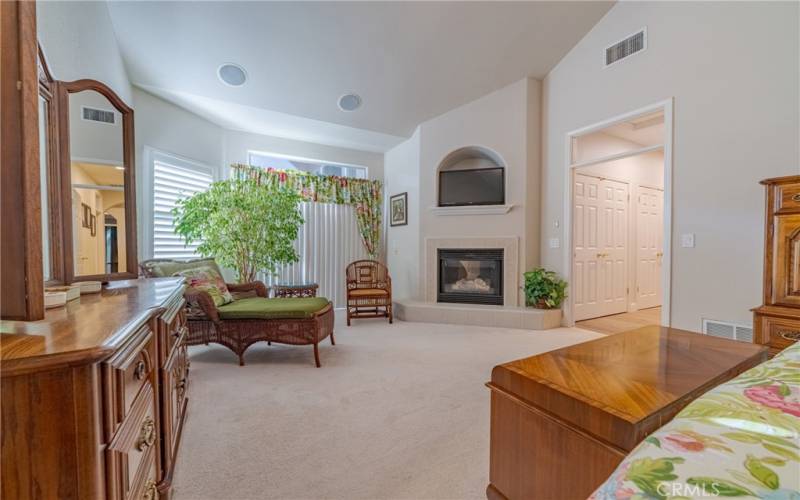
(49,176)
(99,197)
(44,174)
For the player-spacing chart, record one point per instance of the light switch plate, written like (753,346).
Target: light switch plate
(687,240)
(555,243)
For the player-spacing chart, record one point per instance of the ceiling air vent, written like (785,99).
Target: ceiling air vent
(98,115)
(727,330)
(627,47)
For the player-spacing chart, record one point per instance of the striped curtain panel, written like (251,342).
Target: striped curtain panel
(328,241)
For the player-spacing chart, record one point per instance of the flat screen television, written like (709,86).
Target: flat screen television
(485,186)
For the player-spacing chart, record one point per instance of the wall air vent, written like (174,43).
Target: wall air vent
(627,47)
(727,330)
(98,115)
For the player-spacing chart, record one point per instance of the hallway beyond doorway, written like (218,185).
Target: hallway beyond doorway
(617,323)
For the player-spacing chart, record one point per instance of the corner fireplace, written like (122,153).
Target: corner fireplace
(472,276)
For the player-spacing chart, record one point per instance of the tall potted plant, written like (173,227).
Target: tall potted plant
(544,289)
(244,225)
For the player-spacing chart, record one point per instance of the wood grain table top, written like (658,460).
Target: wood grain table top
(87,328)
(622,387)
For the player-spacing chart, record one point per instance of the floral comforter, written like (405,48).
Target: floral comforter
(741,439)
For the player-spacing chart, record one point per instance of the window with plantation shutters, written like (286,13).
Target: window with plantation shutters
(171,183)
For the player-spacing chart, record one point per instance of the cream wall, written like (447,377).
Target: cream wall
(166,127)
(498,121)
(162,126)
(79,42)
(600,144)
(732,69)
(237,144)
(533,175)
(645,169)
(507,122)
(96,142)
(403,242)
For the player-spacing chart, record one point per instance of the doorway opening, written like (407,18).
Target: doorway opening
(618,221)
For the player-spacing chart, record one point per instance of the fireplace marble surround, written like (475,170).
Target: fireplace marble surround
(512,314)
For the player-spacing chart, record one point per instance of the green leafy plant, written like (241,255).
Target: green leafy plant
(244,225)
(544,289)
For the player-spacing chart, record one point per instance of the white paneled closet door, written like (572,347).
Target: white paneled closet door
(327,242)
(649,247)
(600,256)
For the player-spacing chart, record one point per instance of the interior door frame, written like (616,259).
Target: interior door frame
(666,106)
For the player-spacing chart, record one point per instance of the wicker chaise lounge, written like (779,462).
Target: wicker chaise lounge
(251,317)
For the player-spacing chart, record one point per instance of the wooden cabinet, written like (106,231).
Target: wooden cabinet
(562,421)
(777,321)
(174,379)
(94,395)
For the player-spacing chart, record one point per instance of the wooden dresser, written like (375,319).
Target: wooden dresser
(777,321)
(94,395)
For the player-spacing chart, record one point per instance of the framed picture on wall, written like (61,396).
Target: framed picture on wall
(93,225)
(398,209)
(86,216)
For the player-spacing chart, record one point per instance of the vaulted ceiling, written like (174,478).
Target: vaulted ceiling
(409,61)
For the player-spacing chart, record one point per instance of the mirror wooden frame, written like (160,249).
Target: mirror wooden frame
(62,90)
(47,87)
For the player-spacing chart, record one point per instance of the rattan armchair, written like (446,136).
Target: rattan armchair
(369,290)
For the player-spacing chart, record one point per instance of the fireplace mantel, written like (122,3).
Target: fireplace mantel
(472,210)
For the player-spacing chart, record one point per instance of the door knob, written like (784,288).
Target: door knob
(659,254)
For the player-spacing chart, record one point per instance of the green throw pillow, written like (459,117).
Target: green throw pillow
(208,280)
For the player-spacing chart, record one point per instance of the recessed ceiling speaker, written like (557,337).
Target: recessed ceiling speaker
(232,74)
(349,102)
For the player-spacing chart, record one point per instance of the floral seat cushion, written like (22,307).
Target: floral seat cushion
(741,439)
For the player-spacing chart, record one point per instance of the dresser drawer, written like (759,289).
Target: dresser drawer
(787,198)
(172,325)
(128,371)
(133,452)
(781,333)
(175,383)
(145,486)
(776,332)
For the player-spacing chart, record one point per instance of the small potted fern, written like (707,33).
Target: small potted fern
(544,289)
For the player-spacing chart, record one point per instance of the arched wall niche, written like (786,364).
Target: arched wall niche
(467,185)
(469,158)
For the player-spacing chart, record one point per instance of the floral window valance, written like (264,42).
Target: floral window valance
(365,195)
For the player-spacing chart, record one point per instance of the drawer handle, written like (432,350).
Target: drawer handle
(796,197)
(792,335)
(147,436)
(150,490)
(138,373)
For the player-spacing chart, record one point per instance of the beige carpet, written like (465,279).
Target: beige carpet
(396,411)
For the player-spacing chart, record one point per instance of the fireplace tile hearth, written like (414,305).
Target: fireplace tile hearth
(525,318)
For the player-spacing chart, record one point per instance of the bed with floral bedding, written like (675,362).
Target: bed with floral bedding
(741,439)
